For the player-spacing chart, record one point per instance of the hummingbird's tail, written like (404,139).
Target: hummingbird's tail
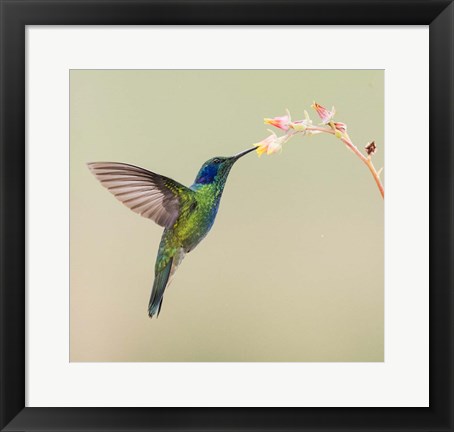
(161,281)
(159,285)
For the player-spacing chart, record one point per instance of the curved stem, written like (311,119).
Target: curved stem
(346,140)
(372,169)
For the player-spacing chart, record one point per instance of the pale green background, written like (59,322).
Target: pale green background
(293,267)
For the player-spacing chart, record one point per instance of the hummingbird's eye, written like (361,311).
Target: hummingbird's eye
(216,160)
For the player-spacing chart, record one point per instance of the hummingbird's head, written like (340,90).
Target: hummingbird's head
(217,169)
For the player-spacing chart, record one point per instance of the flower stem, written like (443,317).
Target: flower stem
(376,176)
(367,160)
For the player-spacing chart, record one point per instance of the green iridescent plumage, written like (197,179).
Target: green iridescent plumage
(187,214)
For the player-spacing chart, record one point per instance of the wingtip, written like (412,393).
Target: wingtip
(94,167)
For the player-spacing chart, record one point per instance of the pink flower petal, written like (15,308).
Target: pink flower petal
(323,113)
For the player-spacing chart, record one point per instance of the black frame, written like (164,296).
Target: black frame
(16,14)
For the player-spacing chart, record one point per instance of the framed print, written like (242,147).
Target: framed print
(287,165)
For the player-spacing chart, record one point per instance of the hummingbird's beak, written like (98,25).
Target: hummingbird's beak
(241,154)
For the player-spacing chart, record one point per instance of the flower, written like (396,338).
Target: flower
(280,122)
(302,125)
(341,127)
(270,145)
(323,113)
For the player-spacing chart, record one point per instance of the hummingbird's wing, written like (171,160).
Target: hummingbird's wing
(151,195)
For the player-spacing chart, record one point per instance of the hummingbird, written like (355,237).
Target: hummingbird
(186,213)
